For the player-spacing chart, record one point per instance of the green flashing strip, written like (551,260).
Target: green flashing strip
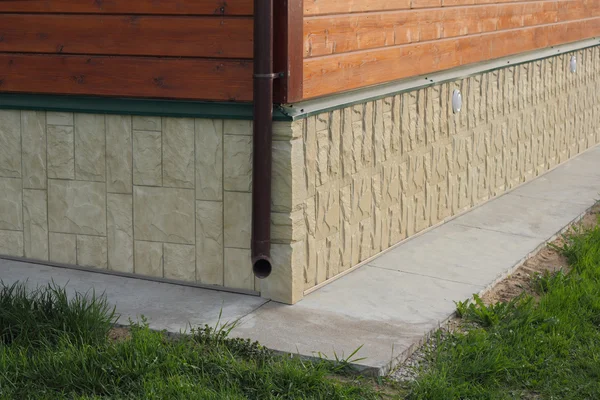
(108,105)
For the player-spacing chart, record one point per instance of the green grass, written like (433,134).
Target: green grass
(545,348)
(53,348)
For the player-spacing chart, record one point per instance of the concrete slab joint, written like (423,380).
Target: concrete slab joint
(171,197)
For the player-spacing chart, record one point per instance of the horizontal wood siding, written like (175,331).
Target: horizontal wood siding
(348,45)
(176,49)
(177,7)
(127,35)
(126,76)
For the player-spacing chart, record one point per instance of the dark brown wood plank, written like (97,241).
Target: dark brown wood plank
(198,79)
(288,51)
(127,35)
(179,7)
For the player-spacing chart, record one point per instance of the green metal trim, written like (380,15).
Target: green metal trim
(107,105)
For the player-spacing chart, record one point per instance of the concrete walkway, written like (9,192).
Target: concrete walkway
(387,306)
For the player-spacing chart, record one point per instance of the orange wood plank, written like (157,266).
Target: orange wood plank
(179,7)
(199,79)
(127,35)
(338,73)
(324,7)
(351,32)
(425,3)
(321,7)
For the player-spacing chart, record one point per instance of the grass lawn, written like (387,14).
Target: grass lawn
(541,345)
(544,345)
(53,348)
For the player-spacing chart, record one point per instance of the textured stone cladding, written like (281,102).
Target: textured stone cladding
(163,197)
(379,172)
(171,197)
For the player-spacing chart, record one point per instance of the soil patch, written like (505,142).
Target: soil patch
(548,259)
(118,334)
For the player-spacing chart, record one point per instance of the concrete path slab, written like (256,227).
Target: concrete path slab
(387,306)
(386,312)
(167,306)
(523,216)
(442,254)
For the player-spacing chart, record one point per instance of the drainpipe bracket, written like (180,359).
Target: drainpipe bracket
(270,76)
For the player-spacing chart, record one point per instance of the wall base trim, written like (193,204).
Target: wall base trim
(308,108)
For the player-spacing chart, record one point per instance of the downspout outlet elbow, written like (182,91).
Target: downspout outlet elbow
(261,266)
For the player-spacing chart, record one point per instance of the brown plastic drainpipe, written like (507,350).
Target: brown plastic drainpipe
(263,132)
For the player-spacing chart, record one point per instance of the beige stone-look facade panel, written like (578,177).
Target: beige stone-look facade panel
(163,215)
(77,207)
(10,144)
(35,224)
(60,152)
(171,197)
(119,154)
(209,159)
(33,141)
(147,158)
(120,232)
(209,242)
(11,243)
(11,204)
(90,147)
(63,248)
(180,262)
(149,259)
(407,162)
(178,152)
(131,194)
(92,251)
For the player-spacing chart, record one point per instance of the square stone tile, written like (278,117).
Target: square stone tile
(147,158)
(11,204)
(180,262)
(147,123)
(11,243)
(209,159)
(10,143)
(77,207)
(120,232)
(238,219)
(35,224)
(33,136)
(63,248)
(178,152)
(238,269)
(237,127)
(149,258)
(238,163)
(209,242)
(59,118)
(164,214)
(90,147)
(61,152)
(92,251)
(119,157)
